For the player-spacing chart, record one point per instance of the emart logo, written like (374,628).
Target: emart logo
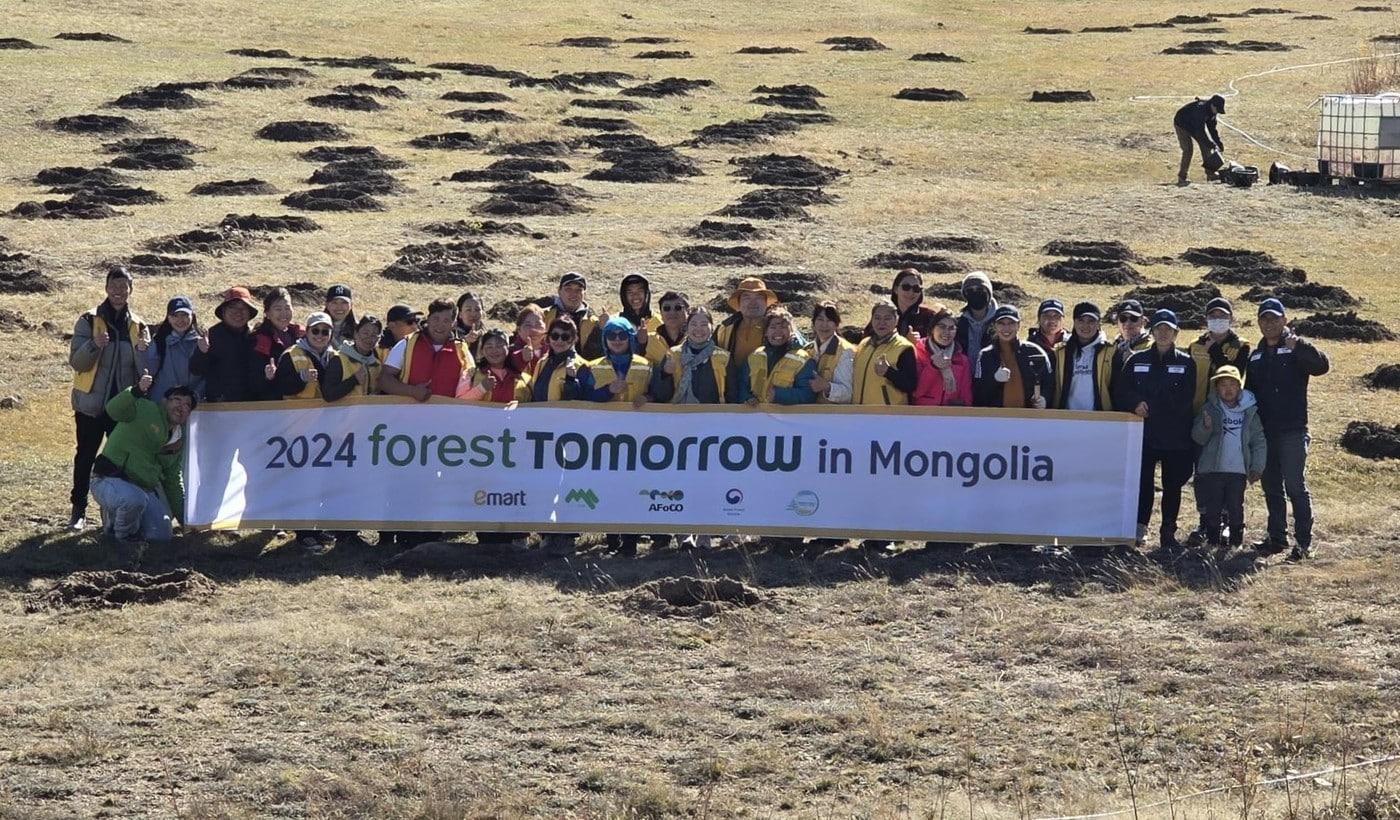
(587,498)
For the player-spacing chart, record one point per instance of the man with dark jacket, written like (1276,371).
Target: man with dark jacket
(1158,384)
(569,301)
(1083,365)
(224,357)
(1013,372)
(1278,375)
(975,321)
(1196,121)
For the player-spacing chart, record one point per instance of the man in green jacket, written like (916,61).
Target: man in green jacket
(137,479)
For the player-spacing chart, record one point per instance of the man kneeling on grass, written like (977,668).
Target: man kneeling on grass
(137,480)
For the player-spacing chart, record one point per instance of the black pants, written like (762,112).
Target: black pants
(1221,496)
(1176,471)
(91,430)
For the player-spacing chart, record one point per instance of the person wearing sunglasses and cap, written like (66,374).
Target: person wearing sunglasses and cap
(1015,373)
(1158,384)
(340,306)
(300,367)
(1049,331)
(1132,334)
(570,301)
(429,362)
(1279,370)
(172,347)
(224,356)
(1083,365)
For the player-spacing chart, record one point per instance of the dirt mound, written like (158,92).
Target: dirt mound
(1062,96)
(200,240)
(669,87)
(258,82)
(483,115)
(372,90)
(1217,46)
(66,177)
(534,198)
(1090,249)
(797,290)
(364,179)
(931,95)
(267,53)
(450,141)
(451,263)
(533,165)
(1313,17)
(364,156)
(784,170)
(1267,274)
(19,273)
(94,124)
(1385,377)
(268,224)
(332,198)
(689,597)
(1306,296)
(234,187)
(587,42)
(734,256)
(606,141)
(477,70)
(1346,327)
(1106,30)
(492,175)
(726,231)
(363,61)
(154,264)
(74,208)
(506,310)
(1188,301)
(663,54)
(644,165)
(1043,30)
(855,44)
(599,123)
(536,148)
(936,57)
(788,101)
(155,98)
(951,293)
(773,124)
(922,262)
(116,194)
(160,145)
(650,40)
(152,161)
(1226,257)
(481,227)
(1092,272)
(608,105)
(1190,20)
(475,97)
(1372,8)
(399,74)
(769,50)
(1371,439)
(17,44)
(302,293)
(948,242)
(302,131)
(345,102)
(113,590)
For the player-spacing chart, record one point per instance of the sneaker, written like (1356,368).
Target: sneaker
(1183,182)
(1270,546)
(1302,552)
(1196,538)
(78,521)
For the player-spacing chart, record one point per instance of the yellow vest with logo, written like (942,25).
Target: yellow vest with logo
(783,375)
(868,386)
(719,363)
(301,360)
(82,382)
(585,328)
(826,362)
(638,377)
(555,391)
(348,366)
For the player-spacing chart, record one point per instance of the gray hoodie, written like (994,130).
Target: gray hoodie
(1235,442)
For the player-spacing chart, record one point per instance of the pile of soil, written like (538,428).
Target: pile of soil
(1385,377)
(17,44)
(372,90)
(669,87)
(75,208)
(639,165)
(332,198)
(1062,96)
(302,131)
(1091,249)
(364,61)
(1042,30)
(733,256)
(536,148)
(268,224)
(302,293)
(450,141)
(200,240)
(1347,327)
(94,124)
(475,97)
(151,161)
(159,145)
(154,98)
(788,101)
(1187,301)
(438,263)
(267,53)
(587,42)
(1313,17)
(855,44)
(921,262)
(689,597)
(599,123)
(773,124)
(608,105)
(1004,292)
(1226,257)
(947,242)
(481,227)
(791,89)
(1371,439)
(507,310)
(931,95)
(399,75)
(19,273)
(116,589)
(606,141)
(769,50)
(258,82)
(798,290)
(364,156)
(556,83)
(1372,8)
(1257,275)
(345,102)
(1190,19)
(1306,296)
(366,180)
(726,231)
(936,57)
(1084,271)
(67,177)
(535,198)
(483,115)
(663,54)
(1106,30)
(153,264)
(478,70)
(115,194)
(650,41)
(492,175)
(1217,46)
(532,165)
(234,187)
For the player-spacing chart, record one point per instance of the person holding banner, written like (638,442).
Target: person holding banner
(429,362)
(495,378)
(635,295)
(675,309)
(781,371)
(569,302)
(884,370)
(225,357)
(621,374)
(835,356)
(1014,373)
(1083,365)
(300,366)
(1159,384)
(354,368)
(945,372)
(561,375)
(275,334)
(399,322)
(742,333)
(695,370)
(530,341)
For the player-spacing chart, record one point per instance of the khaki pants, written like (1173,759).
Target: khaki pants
(1185,139)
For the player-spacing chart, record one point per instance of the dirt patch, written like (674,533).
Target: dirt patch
(606,141)
(234,187)
(534,198)
(587,42)
(1372,8)
(333,198)
(159,145)
(439,263)
(302,131)
(1347,327)
(1385,377)
(1305,296)
(1044,30)
(200,240)
(669,87)
(113,590)
(535,148)
(1226,257)
(788,101)
(400,74)
(152,161)
(726,231)
(650,40)
(609,124)
(1257,274)
(608,105)
(769,50)
(492,175)
(1386,38)
(478,70)
(948,242)
(67,177)
(1189,20)
(450,141)
(154,264)
(74,208)
(1217,46)
(266,53)
(533,165)
(773,124)
(1106,30)
(17,44)
(1083,271)
(951,293)
(689,597)
(302,293)
(372,90)
(155,98)
(931,95)
(364,156)
(19,273)
(506,310)
(483,115)
(1091,249)
(785,170)
(732,256)
(363,61)
(94,124)
(1062,96)
(364,179)
(116,194)
(268,224)
(345,102)
(663,54)
(855,44)
(1187,301)
(1371,439)
(921,262)
(481,227)
(642,165)
(257,82)
(936,57)
(1313,17)
(475,97)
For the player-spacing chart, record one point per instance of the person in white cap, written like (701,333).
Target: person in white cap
(300,367)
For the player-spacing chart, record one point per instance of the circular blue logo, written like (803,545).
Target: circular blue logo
(734,496)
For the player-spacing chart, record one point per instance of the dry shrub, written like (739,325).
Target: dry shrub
(1380,72)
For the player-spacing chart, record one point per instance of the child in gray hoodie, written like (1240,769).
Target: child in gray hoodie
(1233,451)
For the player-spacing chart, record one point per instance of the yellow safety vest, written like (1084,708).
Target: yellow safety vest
(719,363)
(1200,351)
(301,360)
(82,382)
(348,366)
(638,377)
(657,346)
(555,391)
(870,388)
(827,361)
(783,375)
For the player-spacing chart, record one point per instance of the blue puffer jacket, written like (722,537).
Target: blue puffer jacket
(173,368)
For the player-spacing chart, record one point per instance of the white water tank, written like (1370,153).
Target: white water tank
(1358,136)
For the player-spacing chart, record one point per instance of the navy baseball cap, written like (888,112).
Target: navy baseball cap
(573,278)
(1130,307)
(402,313)
(1273,306)
(1165,317)
(1219,303)
(1086,309)
(338,292)
(1006,312)
(180,304)
(1051,304)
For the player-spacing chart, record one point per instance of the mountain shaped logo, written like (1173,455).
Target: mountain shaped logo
(587,498)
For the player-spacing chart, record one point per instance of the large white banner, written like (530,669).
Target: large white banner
(895,473)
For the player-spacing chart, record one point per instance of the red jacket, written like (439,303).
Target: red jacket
(929,390)
(443,369)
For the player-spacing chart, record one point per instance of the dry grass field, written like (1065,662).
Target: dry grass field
(980,682)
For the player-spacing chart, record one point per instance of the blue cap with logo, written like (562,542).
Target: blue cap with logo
(180,304)
(1165,317)
(1271,306)
(1006,312)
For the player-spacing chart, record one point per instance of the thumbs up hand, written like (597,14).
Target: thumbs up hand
(102,339)
(309,374)
(882,365)
(145,339)
(144,384)
(202,342)
(270,370)
(1003,374)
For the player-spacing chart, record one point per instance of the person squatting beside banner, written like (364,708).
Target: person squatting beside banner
(892,473)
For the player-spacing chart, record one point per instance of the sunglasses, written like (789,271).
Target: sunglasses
(319,331)
(672,308)
(616,335)
(562,337)
(907,288)
(1131,320)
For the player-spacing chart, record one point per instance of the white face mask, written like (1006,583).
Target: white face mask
(1218,326)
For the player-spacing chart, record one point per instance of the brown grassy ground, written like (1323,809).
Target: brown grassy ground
(334,687)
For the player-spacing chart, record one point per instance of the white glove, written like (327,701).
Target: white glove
(1002,375)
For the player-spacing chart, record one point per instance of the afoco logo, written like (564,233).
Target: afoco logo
(588,498)
(664,500)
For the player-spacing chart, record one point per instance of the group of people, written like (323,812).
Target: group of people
(135,386)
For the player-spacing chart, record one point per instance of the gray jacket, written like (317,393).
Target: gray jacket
(1256,447)
(117,364)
